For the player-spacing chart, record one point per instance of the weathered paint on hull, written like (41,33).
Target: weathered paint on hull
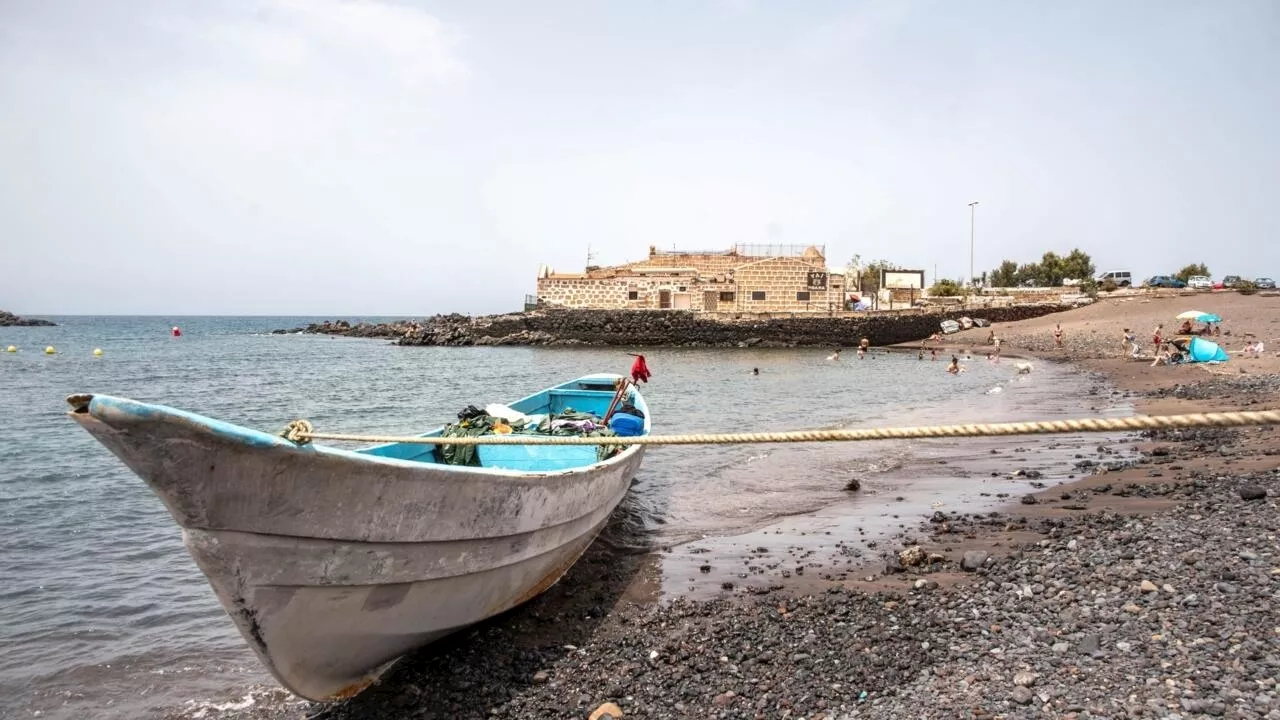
(333,567)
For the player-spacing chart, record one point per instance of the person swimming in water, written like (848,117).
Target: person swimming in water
(953,367)
(835,355)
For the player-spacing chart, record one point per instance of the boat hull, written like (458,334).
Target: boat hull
(333,564)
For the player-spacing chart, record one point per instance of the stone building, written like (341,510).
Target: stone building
(744,279)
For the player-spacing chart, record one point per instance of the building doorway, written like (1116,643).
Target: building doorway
(664,299)
(710,300)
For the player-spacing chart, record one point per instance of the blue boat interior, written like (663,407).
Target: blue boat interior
(591,394)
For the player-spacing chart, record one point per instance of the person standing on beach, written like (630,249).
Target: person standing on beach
(1156,336)
(933,353)
(1130,343)
(1057,335)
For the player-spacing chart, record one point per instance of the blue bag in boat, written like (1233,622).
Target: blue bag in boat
(626,425)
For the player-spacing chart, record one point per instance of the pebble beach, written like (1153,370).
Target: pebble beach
(1146,589)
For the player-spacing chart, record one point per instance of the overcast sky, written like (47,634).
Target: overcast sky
(413,157)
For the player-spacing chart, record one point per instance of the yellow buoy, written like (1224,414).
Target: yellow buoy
(13,348)
(49,350)
(97,352)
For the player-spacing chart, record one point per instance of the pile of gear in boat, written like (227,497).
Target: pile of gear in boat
(496,419)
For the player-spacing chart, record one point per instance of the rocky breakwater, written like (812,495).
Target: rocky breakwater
(677,328)
(8,319)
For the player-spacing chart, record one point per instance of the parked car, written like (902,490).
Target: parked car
(1164,281)
(1229,281)
(1265,284)
(1200,282)
(1122,278)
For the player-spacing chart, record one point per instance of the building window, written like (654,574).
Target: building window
(757,294)
(726,297)
(633,295)
(802,296)
(682,288)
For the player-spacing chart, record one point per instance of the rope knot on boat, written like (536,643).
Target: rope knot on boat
(298,431)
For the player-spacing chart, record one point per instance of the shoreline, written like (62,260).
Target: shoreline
(1089,602)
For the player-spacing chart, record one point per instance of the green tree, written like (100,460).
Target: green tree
(1193,269)
(1006,275)
(866,276)
(946,288)
(1078,265)
(1051,273)
(1029,271)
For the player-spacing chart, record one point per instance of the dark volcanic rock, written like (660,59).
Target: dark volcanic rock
(974,559)
(8,319)
(638,328)
(1252,492)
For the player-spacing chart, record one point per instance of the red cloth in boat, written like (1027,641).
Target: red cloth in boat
(639,371)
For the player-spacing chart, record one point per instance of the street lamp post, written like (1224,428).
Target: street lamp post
(971,212)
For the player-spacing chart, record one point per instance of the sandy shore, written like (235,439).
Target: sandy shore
(1143,588)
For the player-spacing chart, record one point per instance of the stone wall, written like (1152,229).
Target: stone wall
(782,285)
(706,263)
(640,328)
(583,292)
(782,281)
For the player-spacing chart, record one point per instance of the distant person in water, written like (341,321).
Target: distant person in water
(953,367)
(933,353)
(920,355)
(835,355)
(755,371)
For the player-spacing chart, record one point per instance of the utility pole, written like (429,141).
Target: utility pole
(971,213)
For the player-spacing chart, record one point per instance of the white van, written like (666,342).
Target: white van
(1122,278)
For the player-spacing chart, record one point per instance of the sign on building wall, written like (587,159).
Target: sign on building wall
(902,279)
(817,280)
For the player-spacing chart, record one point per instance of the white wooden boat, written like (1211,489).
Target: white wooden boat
(334,563)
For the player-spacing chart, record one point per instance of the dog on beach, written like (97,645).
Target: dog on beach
(1024,368)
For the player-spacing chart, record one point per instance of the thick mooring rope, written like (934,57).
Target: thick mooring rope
(301,432)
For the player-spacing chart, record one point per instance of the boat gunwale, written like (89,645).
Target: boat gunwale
(97,405)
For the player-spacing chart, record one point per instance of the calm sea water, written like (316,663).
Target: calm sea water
(105,615)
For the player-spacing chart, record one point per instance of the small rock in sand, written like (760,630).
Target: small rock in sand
(1021,695)
(912,556)
(1252,492)
(974,559)
(607,710)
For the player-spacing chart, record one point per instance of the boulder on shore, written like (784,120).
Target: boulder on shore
(8,319)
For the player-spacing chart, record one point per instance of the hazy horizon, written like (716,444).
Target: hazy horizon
(379,158)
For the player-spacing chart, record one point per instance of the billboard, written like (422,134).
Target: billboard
(902,279)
